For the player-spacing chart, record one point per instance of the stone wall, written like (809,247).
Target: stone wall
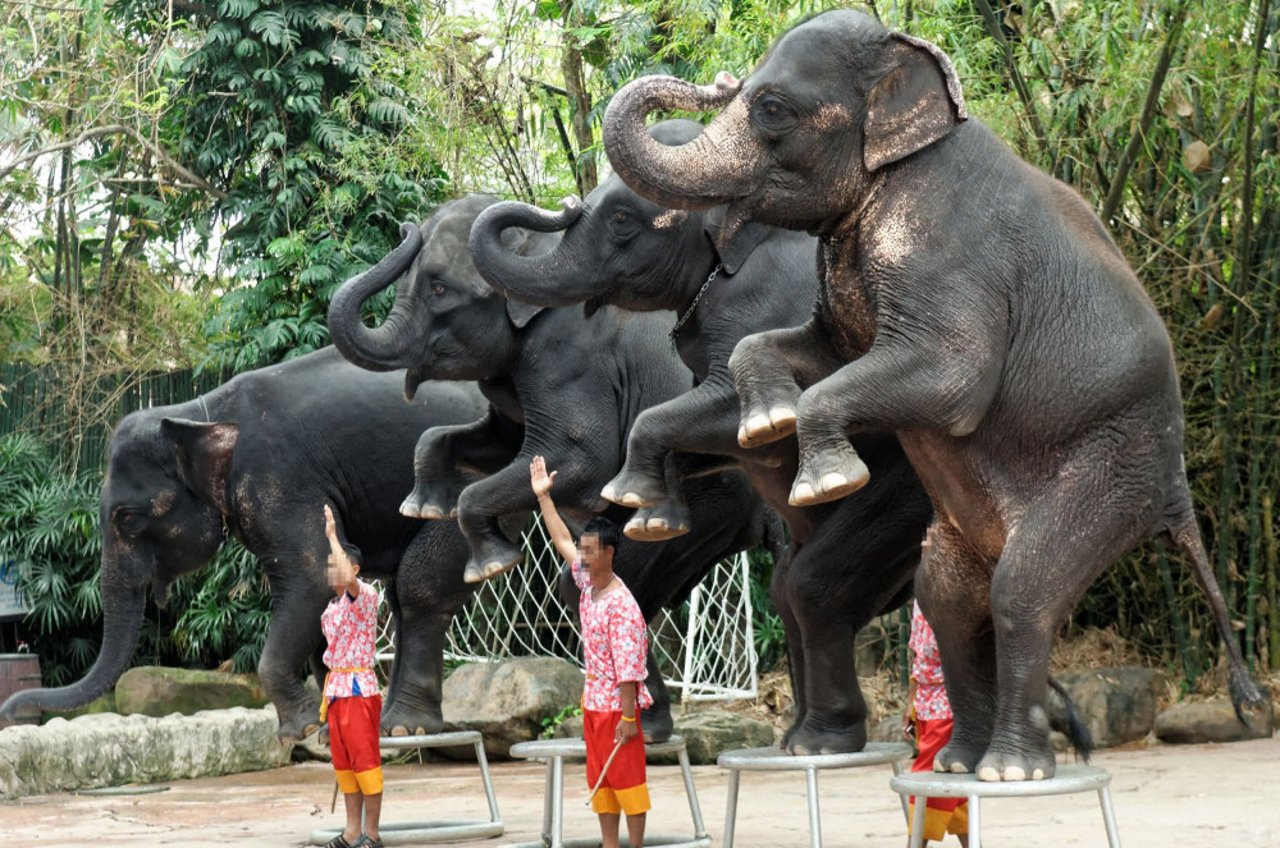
(110,750)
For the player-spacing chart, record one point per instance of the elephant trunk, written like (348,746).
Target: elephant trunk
(122,614)
(555,278)
(698,175)
(382,348)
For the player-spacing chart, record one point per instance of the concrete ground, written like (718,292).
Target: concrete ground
(1197,796)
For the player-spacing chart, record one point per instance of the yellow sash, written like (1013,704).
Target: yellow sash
(324,698)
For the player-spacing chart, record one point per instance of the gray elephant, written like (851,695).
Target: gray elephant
(559,384)
(847,560)
(258,457)
(969,303)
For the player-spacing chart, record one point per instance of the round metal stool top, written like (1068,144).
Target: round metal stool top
(1069,779)
(542,749)
(431,740)
(773,758)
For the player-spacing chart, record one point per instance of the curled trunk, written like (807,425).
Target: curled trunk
(698,175)
(121,623)
(382,348)
(554,278)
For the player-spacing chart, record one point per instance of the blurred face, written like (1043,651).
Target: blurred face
(596,557)
(338,574)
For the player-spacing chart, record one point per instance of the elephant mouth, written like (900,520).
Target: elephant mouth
(414,377)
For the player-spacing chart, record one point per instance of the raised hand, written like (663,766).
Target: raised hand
(539,478)
(330,525)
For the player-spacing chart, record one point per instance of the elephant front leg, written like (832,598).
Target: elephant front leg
(484,446)
(482,504)
(656,718)
(293,639)
(420,643)
(770,370)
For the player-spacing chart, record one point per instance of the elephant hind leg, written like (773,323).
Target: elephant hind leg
(953,587)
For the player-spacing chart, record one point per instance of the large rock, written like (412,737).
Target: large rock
(1118,705)
(708,733)
(110,750)
(156,691)
(507,701)
(1208,722)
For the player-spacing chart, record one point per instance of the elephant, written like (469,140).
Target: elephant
(258,458)
(558,384)
(969,303)
(847,560)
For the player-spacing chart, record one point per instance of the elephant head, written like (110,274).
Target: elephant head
(447,323)
(617,247)
(161,513)
(799,143)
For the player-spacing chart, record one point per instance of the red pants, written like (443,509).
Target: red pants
(624,788)
(941,815)
(353,742)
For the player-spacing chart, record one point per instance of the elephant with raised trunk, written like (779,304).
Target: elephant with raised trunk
(559,384)
(258,458)
(847,561)
(971,304)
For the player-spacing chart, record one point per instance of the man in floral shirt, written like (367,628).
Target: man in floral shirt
(929,721)
(615,643)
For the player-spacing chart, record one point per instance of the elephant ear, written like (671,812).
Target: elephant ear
(203,453)
(521,242)
(739,249)
(913,105)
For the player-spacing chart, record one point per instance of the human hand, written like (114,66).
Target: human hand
(626,730)
(539,478)
(330,525)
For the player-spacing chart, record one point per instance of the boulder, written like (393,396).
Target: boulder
(708,733)
(887,729)
(507,701)
(1118,705)
(157,691)
(110,750)
(104,704)
(1213,721)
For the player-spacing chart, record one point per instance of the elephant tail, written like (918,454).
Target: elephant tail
(1077,731)
(775,536)
(1251,701)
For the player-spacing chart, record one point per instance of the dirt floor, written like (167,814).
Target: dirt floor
(1201,795)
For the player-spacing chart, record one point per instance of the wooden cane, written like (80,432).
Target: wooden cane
(599,780)
(333,804)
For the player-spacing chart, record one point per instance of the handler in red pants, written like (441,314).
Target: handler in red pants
(615,643)
(351,701)
(929,720)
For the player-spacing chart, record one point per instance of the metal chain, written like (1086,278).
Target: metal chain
(688,313)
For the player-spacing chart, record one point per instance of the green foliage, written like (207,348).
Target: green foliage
(49,528)
(551,724)
(766,625)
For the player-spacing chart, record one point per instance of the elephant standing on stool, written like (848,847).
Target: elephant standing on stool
(559,384)
(847,561)
(972,305)
(259,457)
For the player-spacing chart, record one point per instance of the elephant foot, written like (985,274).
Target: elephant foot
(666,521)
(999,765)
(762,425)
(402,721)
(829,476)
(298,726)
(657,723)
(490,560)
(957,757)
(422,502)
(809,738)
(633,489)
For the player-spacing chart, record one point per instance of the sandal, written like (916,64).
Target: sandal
(365,842)
(340,842)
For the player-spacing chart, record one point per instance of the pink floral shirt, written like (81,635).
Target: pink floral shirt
(615,643)
(350,627)
(926,667)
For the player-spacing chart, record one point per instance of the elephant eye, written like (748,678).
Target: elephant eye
(438,289)
(130,521)
(773,114)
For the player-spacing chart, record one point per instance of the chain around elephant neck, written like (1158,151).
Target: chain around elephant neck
(688,313)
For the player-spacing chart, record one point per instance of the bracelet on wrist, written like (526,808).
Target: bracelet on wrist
(628,718)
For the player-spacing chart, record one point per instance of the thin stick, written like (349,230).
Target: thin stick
(599,780)
(333,804)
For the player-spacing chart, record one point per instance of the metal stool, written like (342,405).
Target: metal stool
(556,751)
(776,759)
(1068,780)
(434,831)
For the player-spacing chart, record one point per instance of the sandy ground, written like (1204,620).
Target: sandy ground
(1201,795)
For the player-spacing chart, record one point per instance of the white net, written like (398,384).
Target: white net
(704,648)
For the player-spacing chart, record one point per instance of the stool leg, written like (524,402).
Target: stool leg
(547,800)
(699,830)
(815,820)
(917,823)
(731,808)
(906,807)
(494,815)
(1109,817)
(557,803)
(975,822)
